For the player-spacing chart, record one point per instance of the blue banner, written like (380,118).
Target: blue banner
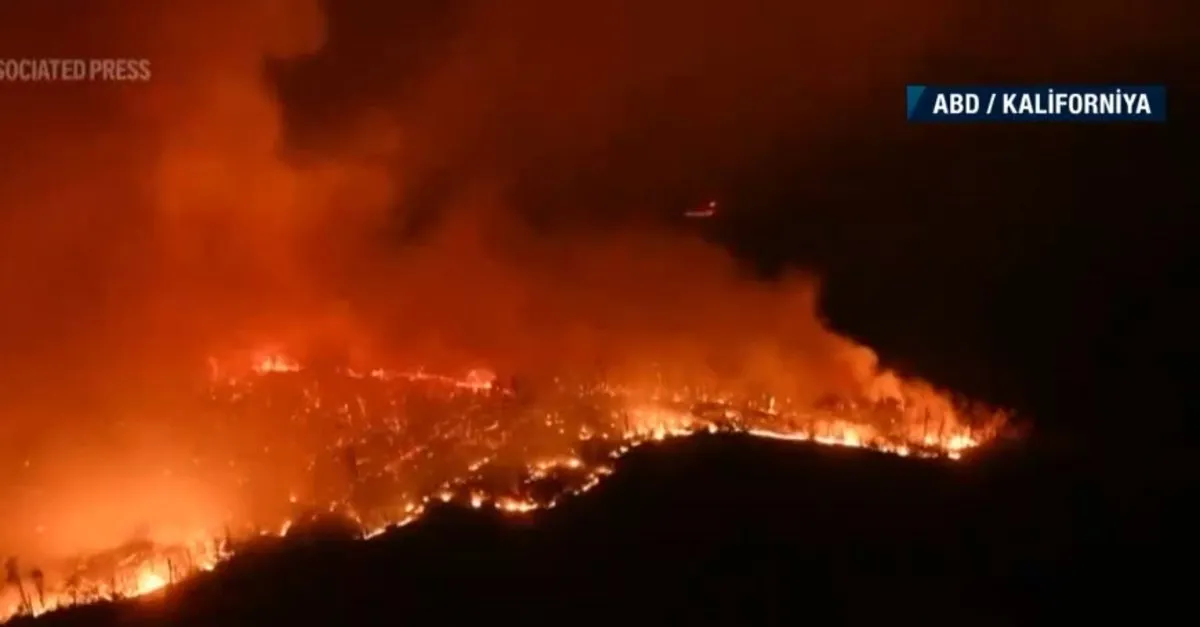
(1050,103)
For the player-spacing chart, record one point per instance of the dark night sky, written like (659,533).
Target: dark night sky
(1037,266)
(497,183)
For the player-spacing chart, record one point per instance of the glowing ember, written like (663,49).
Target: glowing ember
(378,447)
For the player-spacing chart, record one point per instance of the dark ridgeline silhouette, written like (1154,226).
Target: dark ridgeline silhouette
(709,530)
(1063,311)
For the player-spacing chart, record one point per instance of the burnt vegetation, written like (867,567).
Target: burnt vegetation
(711,528)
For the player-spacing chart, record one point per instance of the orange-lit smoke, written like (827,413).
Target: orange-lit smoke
(145,227)
(139,224)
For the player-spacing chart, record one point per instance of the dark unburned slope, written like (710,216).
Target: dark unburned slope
(732,530)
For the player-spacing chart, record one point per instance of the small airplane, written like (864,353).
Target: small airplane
(707,210)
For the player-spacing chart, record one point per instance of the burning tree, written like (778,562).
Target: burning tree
(39,584)
(12,577)
(398,442)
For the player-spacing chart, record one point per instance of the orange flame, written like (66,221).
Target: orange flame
(571,453)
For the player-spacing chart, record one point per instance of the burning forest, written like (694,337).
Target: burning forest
(432,335)
(375,448)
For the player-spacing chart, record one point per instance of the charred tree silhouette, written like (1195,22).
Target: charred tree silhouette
(227,544)
(73,588)
(39,584)
(114,590)
(12,577)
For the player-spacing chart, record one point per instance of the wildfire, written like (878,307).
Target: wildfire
(379,447)
(147,582)
(275,363)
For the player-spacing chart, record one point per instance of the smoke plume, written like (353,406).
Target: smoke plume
(264,184)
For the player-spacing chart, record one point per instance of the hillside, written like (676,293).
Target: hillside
(714,529)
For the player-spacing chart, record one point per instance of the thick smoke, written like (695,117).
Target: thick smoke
(147,226)
(139,223)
